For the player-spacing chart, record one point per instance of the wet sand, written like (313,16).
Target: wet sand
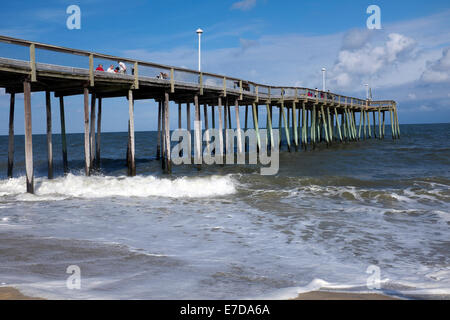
(325,295)
(8,293)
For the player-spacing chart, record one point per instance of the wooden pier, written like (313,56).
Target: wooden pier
(307,117)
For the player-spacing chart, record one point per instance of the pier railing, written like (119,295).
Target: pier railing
(171,76)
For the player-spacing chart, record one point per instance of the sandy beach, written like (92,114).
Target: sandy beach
(9,293)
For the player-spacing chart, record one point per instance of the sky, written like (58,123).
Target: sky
(271,42)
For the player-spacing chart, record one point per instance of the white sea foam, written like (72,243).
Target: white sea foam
(107,186)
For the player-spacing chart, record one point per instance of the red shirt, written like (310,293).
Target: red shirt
(99,69)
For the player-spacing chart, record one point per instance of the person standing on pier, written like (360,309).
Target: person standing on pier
(100,68)
(122,67)
(110,69)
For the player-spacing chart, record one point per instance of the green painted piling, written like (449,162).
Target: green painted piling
(286,127)
(294,121)
(256,126)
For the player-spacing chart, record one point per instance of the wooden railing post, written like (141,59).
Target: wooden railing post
(33,62)
(201,83)
(91,70)
(172,80)
(224,86)
(136,75)
(240,90)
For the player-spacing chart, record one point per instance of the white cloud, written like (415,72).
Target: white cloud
(244,5)
(439,70)
(355,66)
(356,39)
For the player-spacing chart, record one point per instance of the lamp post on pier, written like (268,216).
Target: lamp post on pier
(324,87)
(199,32)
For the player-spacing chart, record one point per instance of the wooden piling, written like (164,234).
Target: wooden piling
(246,118)
(229,116)
(132,168)
(188,126)
(167,156)
(337,124)
(324,121)
(92,130)
(294,125)
(28,137)
(238,127)
(330,127)
(63,135)
(205,115)
(48,108)
(158,141)
(304,127)
(163,137)
(11,136)
(286,127)
(380,136)
(360,123)
(374,125)
(87,151)
(384,123)
(314,126)
(256,126)
(221,146)
(280,126)
(392,125)
(99,133)
(365,124)
(397,122)
(269,125)
(197,133)
(344,125)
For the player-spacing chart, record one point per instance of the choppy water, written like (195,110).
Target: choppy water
(227,232)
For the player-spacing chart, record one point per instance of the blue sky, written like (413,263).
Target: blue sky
(267,41)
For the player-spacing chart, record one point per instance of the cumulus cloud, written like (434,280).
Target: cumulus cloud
(356,38)
(439,70)
(364,62)
(244,5)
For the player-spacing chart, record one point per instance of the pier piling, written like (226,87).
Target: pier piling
(63,134)
(87,150)
(28,136)
(49,134)
(11,136)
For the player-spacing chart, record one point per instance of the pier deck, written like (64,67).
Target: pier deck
(308,116)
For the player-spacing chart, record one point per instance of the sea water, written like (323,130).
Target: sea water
(327,219)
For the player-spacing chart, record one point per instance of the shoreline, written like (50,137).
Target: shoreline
(11,293)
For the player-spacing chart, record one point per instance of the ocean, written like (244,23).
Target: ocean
(335,218)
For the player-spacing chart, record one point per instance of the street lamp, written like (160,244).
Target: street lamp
(199,32)
(323,79)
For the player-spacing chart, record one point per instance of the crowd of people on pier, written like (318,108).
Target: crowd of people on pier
(121,68)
